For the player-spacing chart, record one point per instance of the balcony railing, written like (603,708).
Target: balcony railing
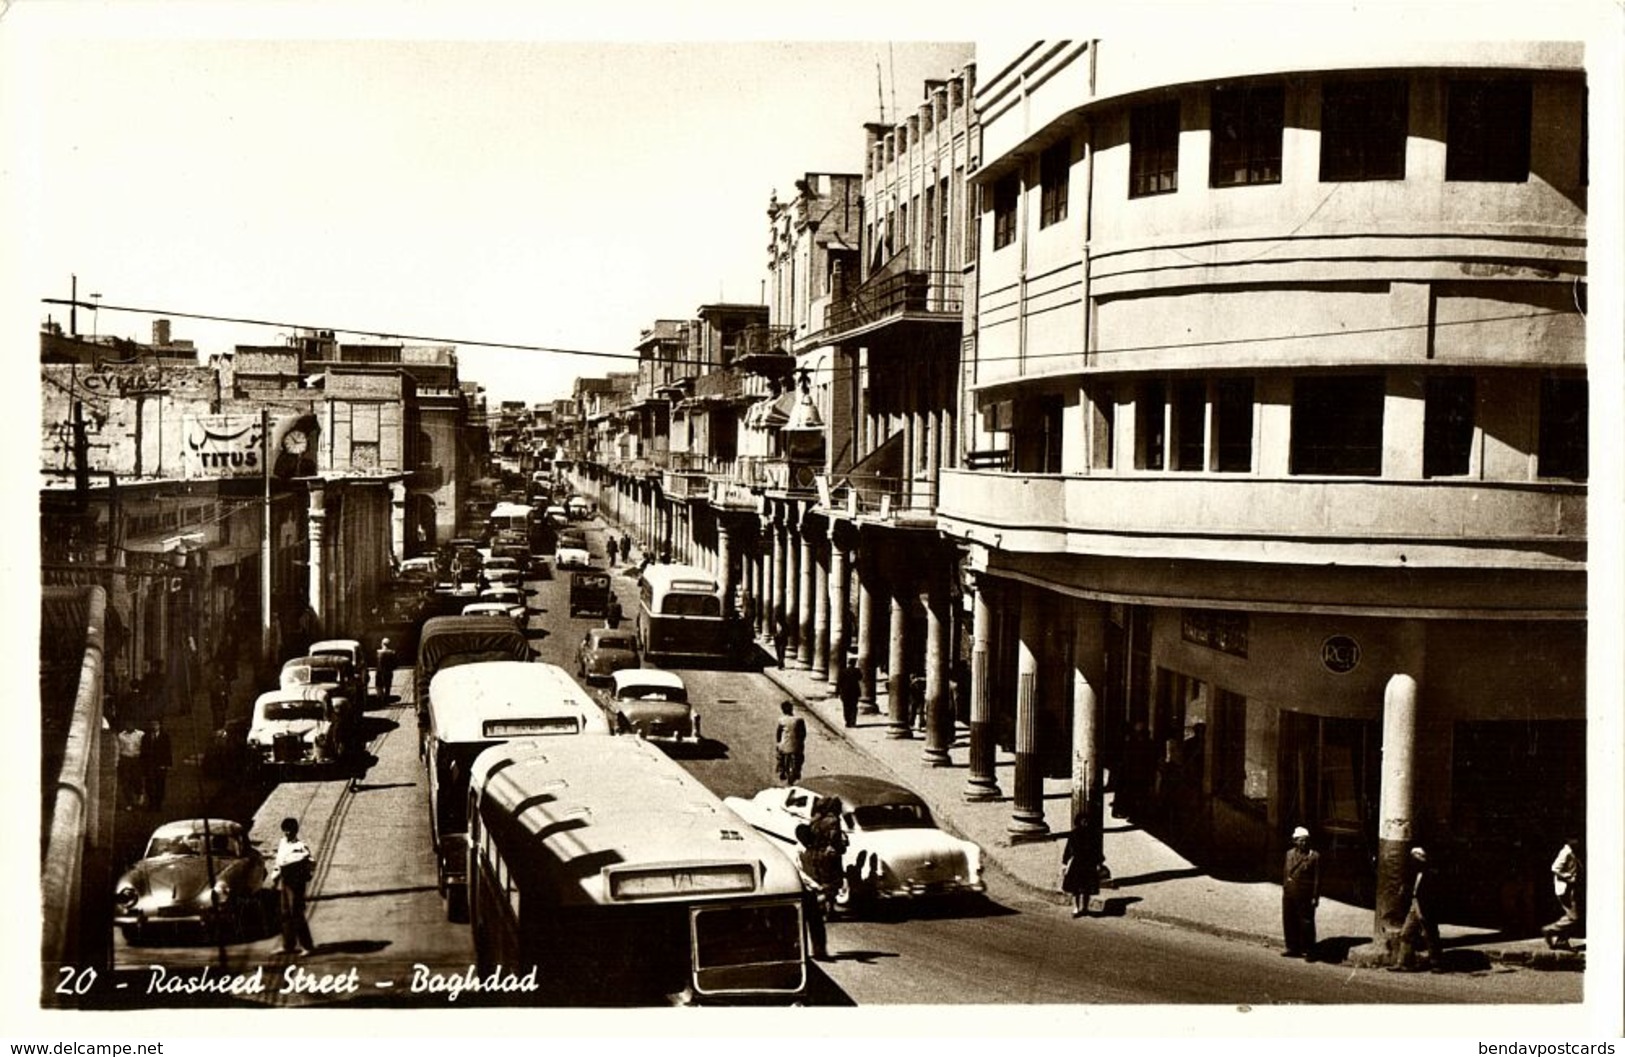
(761,339)
(910,293)
(884,496)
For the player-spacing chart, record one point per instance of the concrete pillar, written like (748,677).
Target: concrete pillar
(1088,653)
(839,589)
(781,575)
(981,783)
(905,486)
(792,590)
(897,667)
(397,519)
(820,631)
(939,715)
(1027,821)
(866,634)
(1398,799)
(804,595)
(725,567)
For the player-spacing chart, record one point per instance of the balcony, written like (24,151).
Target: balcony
(765,350)
(912,296)
(1345,521)
(884,497)
(686,476)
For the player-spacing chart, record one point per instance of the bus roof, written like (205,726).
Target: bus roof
(510,699)
(624,823)
(680,578)
(512,510)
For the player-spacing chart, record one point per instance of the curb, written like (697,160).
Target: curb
(1547,960)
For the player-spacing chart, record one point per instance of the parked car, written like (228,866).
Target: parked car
(324,670)
(352,664)
(573,557)
(301,726)
(894,848)
(652,703)
(605,651)
(197,872)
(556,516)
(578,508)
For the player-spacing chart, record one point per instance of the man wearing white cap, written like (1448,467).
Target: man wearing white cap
(1300,895)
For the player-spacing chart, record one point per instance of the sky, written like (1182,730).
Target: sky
(538,192)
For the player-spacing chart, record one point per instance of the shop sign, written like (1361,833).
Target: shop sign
(1340,654)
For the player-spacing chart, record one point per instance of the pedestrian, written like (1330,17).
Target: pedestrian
(1300,896)
(384,677)
(1568,884)
(613,546)
(781,638)
(291,872)
(157,757)
(132,780)
(613,614)
(1132,780)
(823,851)
(790,743)
(916,701)
(1421,919)
(1083,866)
(849,687)
(959,688)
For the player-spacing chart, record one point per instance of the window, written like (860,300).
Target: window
(1337,425)
(1564,422)
(1190,422)
(1488,131)
(1247,125)
(1153,135)
(1447,426)
(1243,744)
(1054,168)
(1036,438)
(1362,130)
(1233,425)
(1005,193)
(1103,400)
(1150,424)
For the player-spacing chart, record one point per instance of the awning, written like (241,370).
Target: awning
(771,414)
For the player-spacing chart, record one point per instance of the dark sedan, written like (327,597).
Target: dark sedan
(605,651)
(194,872)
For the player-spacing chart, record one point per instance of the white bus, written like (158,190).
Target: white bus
(608,868)
(471,708)
(681,615)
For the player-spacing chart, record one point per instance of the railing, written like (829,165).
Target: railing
(902,293)
(720,383)
(884,496)
(761,339)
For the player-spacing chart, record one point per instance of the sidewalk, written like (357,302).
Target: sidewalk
(1151,880)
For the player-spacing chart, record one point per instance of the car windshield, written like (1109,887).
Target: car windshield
(280,710)
(616,642)
(892,816)
(307,674)
(222,844)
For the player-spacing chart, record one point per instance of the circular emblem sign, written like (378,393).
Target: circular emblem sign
(1340,654)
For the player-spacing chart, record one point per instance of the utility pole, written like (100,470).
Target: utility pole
(267,643)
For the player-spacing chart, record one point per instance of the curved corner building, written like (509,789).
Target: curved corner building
(1275,378)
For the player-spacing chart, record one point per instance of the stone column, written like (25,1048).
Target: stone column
(939,716)
(1398,800)
(397,519)
(1027,821)
(820,630)
(804,595)
(1088,655)
(839,588)
(981,784)
(780,576)
(316,535)
(866,632)
(897,667)
(725,567)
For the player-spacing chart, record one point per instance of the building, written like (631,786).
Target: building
(1276,389)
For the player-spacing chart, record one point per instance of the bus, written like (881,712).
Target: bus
(473,707)
(680,615)
(606,867)
(512,518)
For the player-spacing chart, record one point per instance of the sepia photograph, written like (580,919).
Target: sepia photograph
(866,523)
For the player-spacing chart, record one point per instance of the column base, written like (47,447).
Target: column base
(979,790)
(899,731)
(1027,829)
(868,708)
(934,757)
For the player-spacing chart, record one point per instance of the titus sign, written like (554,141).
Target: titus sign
(223,446)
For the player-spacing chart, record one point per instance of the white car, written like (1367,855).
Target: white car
(894,849)
(503,571)
(307,725)
(573,558)
(490,609)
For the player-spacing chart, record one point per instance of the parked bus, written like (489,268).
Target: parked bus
(473,707)
(622,880)
(680,615)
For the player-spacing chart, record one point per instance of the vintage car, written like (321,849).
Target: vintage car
(301,726)
(573,557)
(493,609)
(556,516)
(605,651)
(578,508)
(504,570)
(420,569)
(894,849)
(589,593)
(352,666)
(652,703)
(194,872)
(512,597)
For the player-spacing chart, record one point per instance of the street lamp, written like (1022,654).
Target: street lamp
(95,317)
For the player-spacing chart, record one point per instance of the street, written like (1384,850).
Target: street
(383,936)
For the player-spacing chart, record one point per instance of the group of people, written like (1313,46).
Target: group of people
(145,756)
(823,848)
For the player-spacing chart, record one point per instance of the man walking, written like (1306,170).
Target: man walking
(1300,896)
(790,743)
(1421,920)
(385,676)
(293,867)
(849,687)
(132,781)
(157,757)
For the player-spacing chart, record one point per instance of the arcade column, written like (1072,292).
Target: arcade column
(1027,821)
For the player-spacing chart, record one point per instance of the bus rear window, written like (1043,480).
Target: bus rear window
(730,936)
(691,606)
